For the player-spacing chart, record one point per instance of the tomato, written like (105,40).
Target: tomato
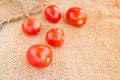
(39,56)
(52,13)
(55,37)
(31,26)
(76,16)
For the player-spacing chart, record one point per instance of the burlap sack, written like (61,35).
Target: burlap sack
(11,10)
(91,52)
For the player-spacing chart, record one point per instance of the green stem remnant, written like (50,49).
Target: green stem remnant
(0,27)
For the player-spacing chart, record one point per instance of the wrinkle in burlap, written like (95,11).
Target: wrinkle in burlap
(11,10)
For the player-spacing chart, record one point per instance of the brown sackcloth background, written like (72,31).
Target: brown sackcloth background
(91,52)
(11,10)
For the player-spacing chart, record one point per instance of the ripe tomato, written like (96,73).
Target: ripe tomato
(55,37)
(76,16)
(39,56)
(52,13)
(31,26)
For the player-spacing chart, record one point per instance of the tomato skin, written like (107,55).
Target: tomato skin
(39,56)
(31,26)
(55,37)
(52,13)
(76,16)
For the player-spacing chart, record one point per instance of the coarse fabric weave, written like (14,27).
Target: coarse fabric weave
(91,52)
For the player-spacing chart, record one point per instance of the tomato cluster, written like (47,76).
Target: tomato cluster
(41,55)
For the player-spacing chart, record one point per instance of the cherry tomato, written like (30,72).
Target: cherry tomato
(76,16)
(39,56)
(52,13)
(55,37)
(31,26)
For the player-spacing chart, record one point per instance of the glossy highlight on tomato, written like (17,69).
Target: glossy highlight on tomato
(39,56)
(31,26)
(52,13)
(55,37)
(76,16)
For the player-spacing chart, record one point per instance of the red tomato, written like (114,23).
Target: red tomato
(39,56)
(31,26)
(55,37)
(52,13)
(76,16)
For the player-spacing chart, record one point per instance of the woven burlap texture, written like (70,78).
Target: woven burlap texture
(91,52)
(11,10)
